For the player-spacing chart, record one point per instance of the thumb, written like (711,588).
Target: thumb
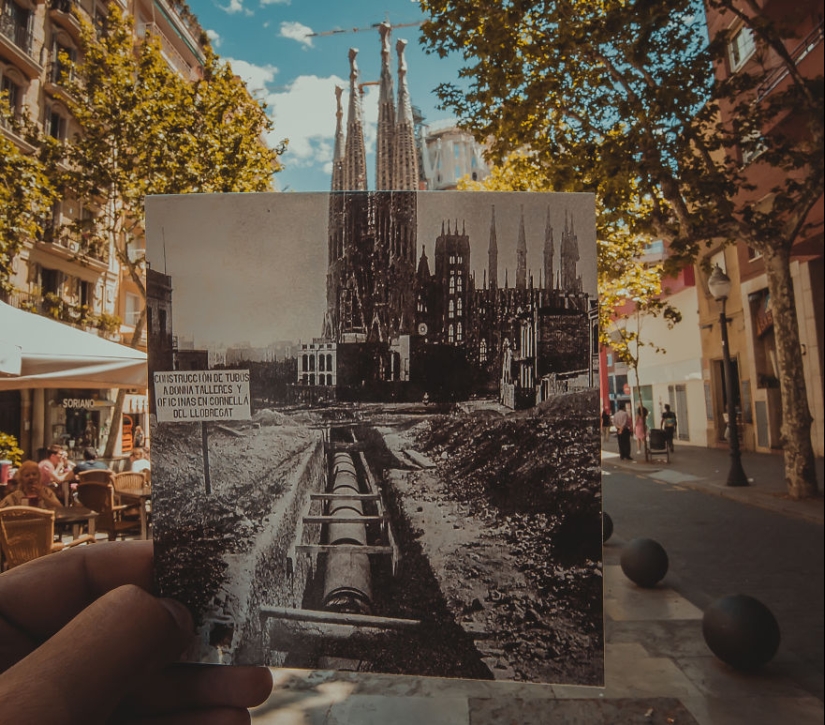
(83,671)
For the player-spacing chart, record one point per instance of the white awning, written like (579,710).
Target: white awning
(37,352)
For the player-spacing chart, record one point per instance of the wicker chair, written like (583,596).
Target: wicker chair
(101,475)
(100,497)
(27,533)
(129,482)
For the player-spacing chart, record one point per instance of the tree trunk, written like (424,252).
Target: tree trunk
(117,411)
(800,474)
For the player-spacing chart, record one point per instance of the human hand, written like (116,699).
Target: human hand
(83,641)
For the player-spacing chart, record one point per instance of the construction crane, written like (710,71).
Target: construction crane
(360,30)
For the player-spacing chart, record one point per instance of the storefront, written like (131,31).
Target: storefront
(62,383)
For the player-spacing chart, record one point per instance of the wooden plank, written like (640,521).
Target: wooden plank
(357,620)
(319,548)
(344,496)
(342,519)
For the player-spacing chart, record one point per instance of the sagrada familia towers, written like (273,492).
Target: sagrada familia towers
(372,237)
(378,292)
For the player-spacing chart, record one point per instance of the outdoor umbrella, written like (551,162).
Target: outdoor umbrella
(38,352)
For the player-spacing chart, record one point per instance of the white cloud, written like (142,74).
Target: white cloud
(235,6)
(305,114)
(297,31)
(256,77)
(214,38)
(303,111)
(275,2)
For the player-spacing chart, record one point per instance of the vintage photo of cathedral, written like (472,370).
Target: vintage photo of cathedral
(416,489)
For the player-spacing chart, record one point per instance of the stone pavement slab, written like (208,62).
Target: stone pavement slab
(653,711)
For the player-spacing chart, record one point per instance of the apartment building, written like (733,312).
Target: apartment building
(90,289)
(749,308)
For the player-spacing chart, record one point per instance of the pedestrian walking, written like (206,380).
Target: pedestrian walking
(669,426)
(623,429)
(605,425)
(640,429)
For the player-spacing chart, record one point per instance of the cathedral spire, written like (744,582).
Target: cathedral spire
(521,255)
(492,253)
(405,172)
(386,116)
(338,152)
(355,175)
(549,252)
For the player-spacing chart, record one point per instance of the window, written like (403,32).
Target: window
(15,25)
(459,332)
(56,125)
(50,280)
(12,88)
(451,334)
(451,310)
(63,55)
(482,351)
(132,305)
(452,284)
(86,294)
(740,47)
(459,307)
(751,147)
(460,283)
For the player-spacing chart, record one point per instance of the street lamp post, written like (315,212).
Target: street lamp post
(719,284)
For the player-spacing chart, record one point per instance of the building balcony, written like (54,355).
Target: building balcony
(12,132)
(16,43)
(55,82)
(778,74)
(84,248)
(60,11)
(78,315)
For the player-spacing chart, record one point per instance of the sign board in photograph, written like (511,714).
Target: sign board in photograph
(200,396)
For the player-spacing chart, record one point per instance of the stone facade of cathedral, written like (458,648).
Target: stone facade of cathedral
(400,326)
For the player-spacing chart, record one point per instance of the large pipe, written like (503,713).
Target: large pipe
(347,577)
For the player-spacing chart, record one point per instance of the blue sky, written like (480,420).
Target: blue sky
(269,46)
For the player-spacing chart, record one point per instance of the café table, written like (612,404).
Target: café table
(141,498)
(76,516)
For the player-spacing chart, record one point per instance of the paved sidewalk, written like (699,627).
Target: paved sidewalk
(706,469)
(658,670)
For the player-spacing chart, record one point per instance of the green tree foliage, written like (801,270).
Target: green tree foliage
(26,194)
(146,130)
(620,97)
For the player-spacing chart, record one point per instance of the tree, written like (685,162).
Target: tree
(26,193)
(145,130)
(620,98)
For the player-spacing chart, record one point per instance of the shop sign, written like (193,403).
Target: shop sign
(79,403)
(202,395)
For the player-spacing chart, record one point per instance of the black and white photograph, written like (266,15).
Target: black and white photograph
(375,430)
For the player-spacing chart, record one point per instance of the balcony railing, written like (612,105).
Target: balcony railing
(84,244)
(64,6)
(774,77)
(18,34)
(51,305)
(172,54)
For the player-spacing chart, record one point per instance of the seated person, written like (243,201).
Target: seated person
(29,485)
(138,460)
(54,469)
(89,462)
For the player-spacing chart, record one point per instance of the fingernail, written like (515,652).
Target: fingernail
(180,614)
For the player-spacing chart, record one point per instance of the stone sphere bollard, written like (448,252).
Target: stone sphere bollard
(607,527)
(741,631)
(644,562)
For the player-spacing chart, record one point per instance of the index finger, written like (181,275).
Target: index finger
(41,597)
